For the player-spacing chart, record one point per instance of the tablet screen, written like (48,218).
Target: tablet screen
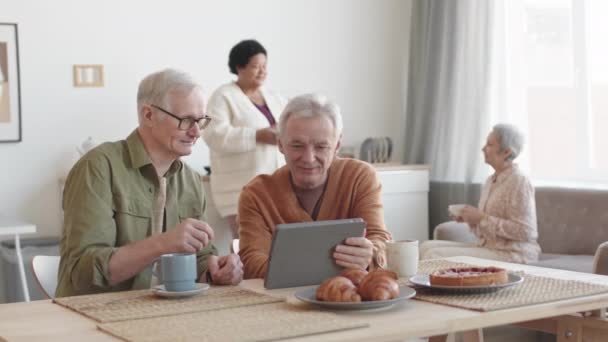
(301,253)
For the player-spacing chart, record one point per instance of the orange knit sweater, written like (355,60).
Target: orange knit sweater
(353,190)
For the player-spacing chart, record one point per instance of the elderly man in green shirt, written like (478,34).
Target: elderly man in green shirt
(128,202)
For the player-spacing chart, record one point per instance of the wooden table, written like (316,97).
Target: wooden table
(9,226)
(43,320)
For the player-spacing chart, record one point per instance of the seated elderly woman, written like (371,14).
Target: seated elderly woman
(505,221)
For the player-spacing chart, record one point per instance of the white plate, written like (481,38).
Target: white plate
(422,280)
(159,290)
(308,296)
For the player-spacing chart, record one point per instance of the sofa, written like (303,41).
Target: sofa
(572,229)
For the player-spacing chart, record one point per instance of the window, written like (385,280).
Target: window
(556,80)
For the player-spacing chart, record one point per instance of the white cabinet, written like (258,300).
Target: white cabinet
(405,196)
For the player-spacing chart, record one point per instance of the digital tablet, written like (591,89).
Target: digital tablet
(301,253)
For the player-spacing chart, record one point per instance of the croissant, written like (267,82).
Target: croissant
(390,274)
(338,289)
(354,274)
(379,285)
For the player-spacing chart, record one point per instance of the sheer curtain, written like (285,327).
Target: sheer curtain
(555,87)
(450,96)
(538,64)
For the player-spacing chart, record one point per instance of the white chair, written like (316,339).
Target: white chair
(235,246)
(46,269)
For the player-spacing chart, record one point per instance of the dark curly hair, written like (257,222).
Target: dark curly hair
(241,53)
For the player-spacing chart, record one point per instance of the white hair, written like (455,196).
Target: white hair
(509,137)
(153,89)
(311,105)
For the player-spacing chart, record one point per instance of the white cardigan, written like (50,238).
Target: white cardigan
(235,156)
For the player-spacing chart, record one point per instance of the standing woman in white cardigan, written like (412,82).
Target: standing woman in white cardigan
(242,134)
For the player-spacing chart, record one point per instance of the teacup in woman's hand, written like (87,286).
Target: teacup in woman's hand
(455,210)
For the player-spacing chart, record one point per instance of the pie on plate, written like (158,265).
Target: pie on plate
(469,276)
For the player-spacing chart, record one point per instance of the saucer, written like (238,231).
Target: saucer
(199,288)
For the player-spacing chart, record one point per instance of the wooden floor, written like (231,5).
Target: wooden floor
(512,334)
(505,334)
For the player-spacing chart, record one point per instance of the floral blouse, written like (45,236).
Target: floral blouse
(508,201)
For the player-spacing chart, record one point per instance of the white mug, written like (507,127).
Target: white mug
(402,257)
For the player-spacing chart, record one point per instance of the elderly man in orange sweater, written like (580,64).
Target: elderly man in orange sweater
(314,185)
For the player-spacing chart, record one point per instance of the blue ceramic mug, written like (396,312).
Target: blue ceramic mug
(177,271)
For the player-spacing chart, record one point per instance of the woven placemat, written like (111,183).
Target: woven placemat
(267,322)
(122,306)
(534,290)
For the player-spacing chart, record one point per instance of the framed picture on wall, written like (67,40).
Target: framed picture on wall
(10,97)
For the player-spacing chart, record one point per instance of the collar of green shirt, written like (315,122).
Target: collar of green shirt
(139,157)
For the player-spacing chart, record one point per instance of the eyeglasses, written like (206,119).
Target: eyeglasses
(187,123)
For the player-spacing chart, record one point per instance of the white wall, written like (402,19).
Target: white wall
(353,50)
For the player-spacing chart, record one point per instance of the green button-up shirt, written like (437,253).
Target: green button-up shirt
(108,203)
